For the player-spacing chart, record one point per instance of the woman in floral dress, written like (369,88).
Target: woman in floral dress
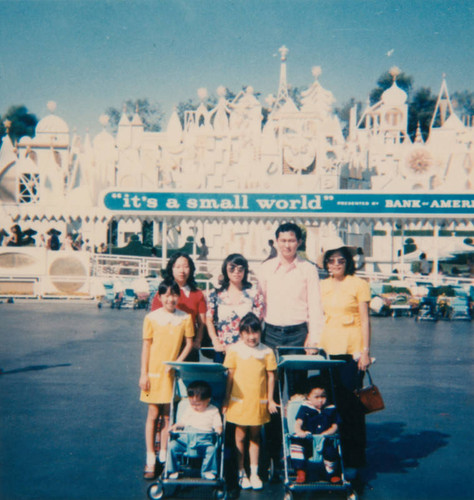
(230,303)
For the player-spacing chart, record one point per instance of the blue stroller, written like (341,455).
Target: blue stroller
(189,464)
(317,479)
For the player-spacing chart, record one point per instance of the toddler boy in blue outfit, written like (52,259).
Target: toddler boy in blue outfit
(315,419)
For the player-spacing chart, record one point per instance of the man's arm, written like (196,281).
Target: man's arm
(315,308)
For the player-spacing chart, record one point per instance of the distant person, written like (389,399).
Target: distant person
(165,331)
(68,243)
(424,265)
(203,250)
(3,237)
(53,242)
(272,252)
(15,237)
(200,420)
(359,259)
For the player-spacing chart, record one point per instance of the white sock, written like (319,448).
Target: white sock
(162,456)
(242,473)
(150,459)
(253,470)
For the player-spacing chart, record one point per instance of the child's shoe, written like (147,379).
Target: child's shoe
(245,483)
(255,482)
(209,476)
(149,472)
(335,479)
(162,456)
(300,476)
(174,475)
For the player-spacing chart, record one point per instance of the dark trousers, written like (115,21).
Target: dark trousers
(347,378)
(287,336)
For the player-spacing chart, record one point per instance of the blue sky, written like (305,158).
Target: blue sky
(90,54)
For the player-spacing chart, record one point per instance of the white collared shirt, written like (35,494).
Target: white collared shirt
(292,294)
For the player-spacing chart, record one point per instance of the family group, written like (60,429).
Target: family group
(290,307)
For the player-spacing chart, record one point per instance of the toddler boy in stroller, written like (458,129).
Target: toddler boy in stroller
(199,421)
(315,420)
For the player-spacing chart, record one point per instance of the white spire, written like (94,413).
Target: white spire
(444,108)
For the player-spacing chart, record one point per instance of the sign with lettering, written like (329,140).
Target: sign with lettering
(352,203)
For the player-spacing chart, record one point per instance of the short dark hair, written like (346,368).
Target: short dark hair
(168,272)
(347,254)
(201,389)
(250,323)
(289,227)
(315,382)
(166,285)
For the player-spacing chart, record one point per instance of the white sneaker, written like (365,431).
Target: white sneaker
(256,482)
(245,483)
(209,475)
(174,475)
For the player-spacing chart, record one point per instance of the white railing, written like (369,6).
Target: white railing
(40,276)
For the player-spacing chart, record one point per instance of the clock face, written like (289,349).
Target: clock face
(420,162)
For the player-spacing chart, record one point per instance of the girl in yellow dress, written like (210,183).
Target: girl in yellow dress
(164,331)
(249,395)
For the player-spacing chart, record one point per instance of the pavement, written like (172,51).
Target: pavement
(71,425)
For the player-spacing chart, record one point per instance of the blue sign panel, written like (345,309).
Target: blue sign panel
(290,204)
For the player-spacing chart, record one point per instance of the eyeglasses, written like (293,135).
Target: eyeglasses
(339,260)
(238,269)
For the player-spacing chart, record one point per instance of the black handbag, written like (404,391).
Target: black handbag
(370,397)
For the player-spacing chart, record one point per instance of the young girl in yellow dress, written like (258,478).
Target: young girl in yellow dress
(249,395)
(164,331)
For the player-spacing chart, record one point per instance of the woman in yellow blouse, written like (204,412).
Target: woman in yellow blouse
(346,336)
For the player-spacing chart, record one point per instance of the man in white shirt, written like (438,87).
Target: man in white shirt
(293,313)
(290,284)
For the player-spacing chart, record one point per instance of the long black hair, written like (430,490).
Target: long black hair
(235,259)
(168,272)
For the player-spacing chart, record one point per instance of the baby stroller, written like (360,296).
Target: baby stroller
(190,465)
(317,477)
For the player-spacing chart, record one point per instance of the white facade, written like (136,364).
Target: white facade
(55,179)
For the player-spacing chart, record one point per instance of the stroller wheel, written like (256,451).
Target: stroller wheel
(156,491)
(219,494)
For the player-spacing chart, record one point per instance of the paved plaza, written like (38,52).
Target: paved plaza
(71,425)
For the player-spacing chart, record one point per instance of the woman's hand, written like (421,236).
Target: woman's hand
(218,345)
(144,383)
(364,361)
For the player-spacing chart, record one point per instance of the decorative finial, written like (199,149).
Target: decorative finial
(8,124)
(283,52)
(249,90)
(394,72)
(202,93)
(316,70)
(270,99)
(444,76)
(51,105)
(103,120)
(221,90)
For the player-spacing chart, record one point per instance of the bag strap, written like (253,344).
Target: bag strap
(370,378)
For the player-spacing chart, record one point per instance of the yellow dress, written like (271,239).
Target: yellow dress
(248,404)
(342,332)
(167,331)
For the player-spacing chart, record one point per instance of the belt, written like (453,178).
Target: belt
(286,329)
